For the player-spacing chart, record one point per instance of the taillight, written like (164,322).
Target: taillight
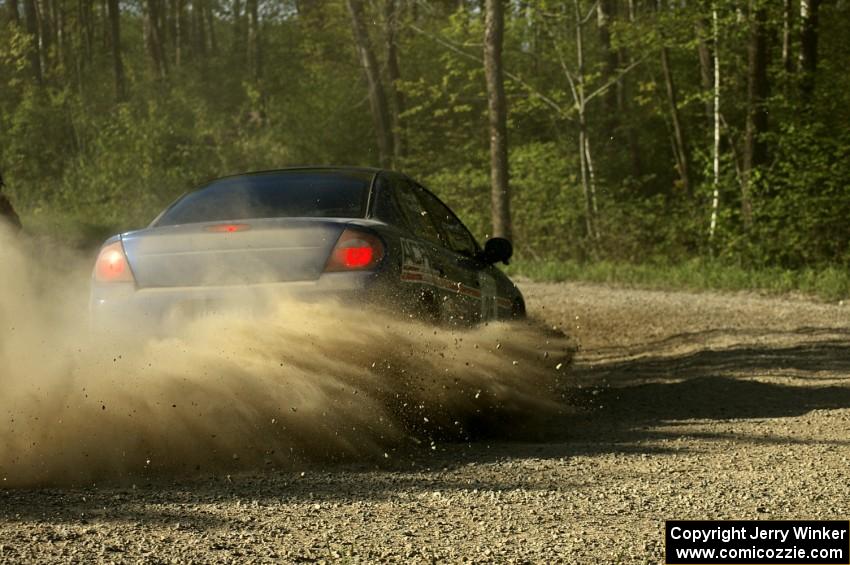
(355,251)
(112,265)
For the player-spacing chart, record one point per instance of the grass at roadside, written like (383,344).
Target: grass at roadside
(829,283)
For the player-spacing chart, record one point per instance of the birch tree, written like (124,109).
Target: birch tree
(577,88)
(715,201)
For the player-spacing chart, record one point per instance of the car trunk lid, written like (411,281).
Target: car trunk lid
(243,252)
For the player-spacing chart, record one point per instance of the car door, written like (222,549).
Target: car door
(422,262)
(471,291)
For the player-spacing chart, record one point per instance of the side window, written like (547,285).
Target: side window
(457,237)
(385,207)
(416,214)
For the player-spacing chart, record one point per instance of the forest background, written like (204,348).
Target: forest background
(664,142)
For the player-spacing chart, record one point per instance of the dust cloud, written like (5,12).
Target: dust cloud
(302,386)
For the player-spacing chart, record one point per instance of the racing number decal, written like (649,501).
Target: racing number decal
(489,309)
(414,261)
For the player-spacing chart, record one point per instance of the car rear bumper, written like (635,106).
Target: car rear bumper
(123,307)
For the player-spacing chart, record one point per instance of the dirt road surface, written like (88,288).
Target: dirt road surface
(702,406)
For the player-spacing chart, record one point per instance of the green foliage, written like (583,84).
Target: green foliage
(546,201)
(77,159)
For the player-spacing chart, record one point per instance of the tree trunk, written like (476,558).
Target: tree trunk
(103,15)
(199,37)
(44,33)
(32,30)
(59,26)
(161,37)
(86,28)
(678,132)
(171,8)
(705,63)
(623,106)
(591,175)
(587,179)
(589,200)
(377,98)
(211,28)
(53,19)
(115,41)
(154,39)
(238,27)
(255,54)
(494,27)
(787,26)
(715,201)
(808,47)
(12,12)
(604,16)
(181,34)
(755,153)
(393,74)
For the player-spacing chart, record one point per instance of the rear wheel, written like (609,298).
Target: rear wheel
(429,308)
(518,309)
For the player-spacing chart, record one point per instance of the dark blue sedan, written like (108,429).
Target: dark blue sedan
(366,237)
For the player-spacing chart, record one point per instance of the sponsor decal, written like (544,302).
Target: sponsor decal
(416,267)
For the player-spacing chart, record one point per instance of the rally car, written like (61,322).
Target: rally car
(360,236)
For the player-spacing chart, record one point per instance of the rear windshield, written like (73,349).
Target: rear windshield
(274,195)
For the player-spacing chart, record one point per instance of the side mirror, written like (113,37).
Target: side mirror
(497,249)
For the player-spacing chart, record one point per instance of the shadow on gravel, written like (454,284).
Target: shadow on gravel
(799,361)
(716,398)
(742,335)
(635,394)
(92,506)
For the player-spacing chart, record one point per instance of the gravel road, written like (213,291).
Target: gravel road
(703,406)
